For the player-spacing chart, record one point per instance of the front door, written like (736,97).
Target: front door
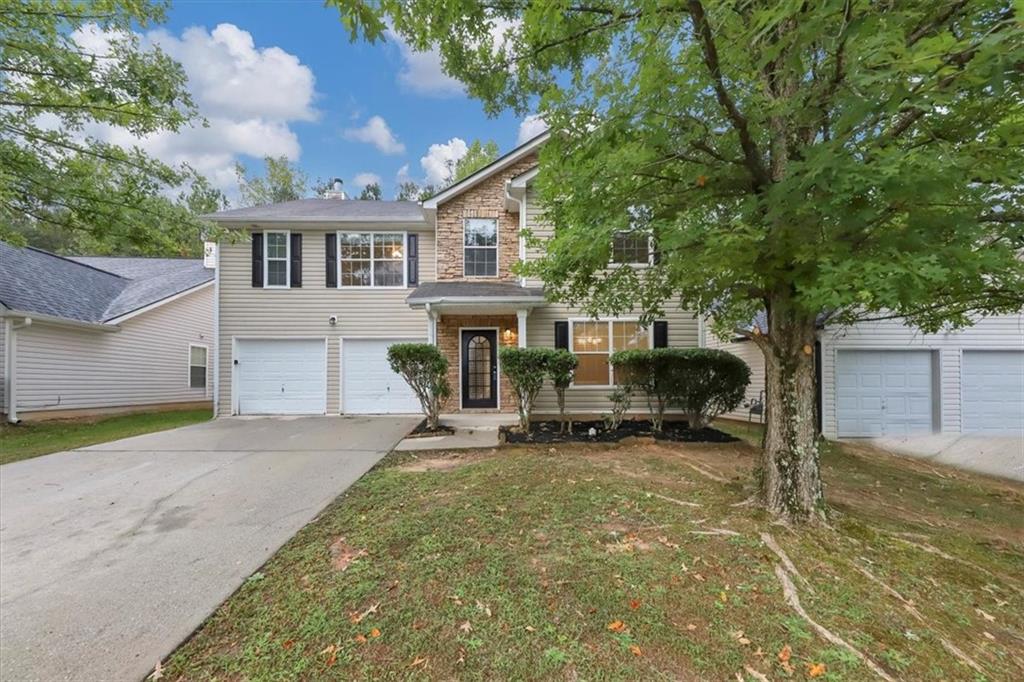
(479,357)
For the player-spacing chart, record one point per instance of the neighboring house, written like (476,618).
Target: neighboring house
(84,335)
(312,293)
(889,379)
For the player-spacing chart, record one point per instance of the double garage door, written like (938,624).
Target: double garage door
(993,391)
(289,376)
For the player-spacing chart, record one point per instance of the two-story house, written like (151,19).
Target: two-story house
(311,294)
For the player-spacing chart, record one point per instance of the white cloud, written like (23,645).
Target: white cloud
(377,133)
(363,179)
(422,72)
(403,174)
(249,96)
(440,159)
(532,126)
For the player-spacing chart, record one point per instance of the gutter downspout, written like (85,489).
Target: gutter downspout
(11,367)
(216,331)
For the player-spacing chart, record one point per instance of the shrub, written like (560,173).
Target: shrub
(651,373)
(560,369)
(425,369)
(525,369)
(712,382)
(621,399)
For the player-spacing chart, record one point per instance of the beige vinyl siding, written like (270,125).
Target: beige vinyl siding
(3,365)
(683,332)
(540,229)
(304,312)
(1002,332)
(144,363)
(750,354)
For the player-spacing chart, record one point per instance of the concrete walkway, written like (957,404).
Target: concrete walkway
(111,555)
(472,430)
(1001,456)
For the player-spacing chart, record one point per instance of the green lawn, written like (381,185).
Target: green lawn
(31,439)
(631,561)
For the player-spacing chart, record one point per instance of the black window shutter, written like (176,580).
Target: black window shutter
(413,260)
(562,334)
(331,248)
(655,252)
(296,274)
(257,259)
(660,334)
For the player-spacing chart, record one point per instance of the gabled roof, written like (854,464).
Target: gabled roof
(502,162)
(91,289)
(325,210)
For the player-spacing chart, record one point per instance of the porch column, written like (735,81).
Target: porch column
(521,315)
(431,326)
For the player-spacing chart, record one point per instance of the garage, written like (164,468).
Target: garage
(281,376)
(993,391)
(368,386)
(883,393)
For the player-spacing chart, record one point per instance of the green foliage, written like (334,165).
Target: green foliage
(478,155)
(561,368)
(411,191)
(653,373)
(371,192)
(525,369)
(282,181)
(425,369)
(57,178)
(709,382)
(621,398)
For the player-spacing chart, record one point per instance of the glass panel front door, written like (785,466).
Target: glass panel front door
(479,358)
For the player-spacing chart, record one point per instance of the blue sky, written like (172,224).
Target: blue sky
(301,88)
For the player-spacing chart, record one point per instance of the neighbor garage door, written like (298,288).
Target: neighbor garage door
(883,393)
(993,391)
(281,376)
(368,384)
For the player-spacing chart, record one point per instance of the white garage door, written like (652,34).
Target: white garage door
(278,376)
(993,390)
(368,384)
(883,393)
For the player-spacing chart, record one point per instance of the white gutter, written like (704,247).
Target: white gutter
(61,321)
(156,304)
(11,366)
(529,301)
(521,203)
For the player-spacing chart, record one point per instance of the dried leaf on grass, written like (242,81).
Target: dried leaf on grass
(343,555)
(617,626)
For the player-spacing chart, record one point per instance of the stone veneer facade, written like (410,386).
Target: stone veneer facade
(485,200)
(448,341)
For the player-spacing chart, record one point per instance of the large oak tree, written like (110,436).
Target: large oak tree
(827,161)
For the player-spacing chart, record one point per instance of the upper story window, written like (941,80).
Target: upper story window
(371,259)
(593,342)
(480,246)
(197,366)
(276,261)
(631,248)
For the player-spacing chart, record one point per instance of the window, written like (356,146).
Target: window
(371,259)
(631,248)
(276,260)
(593,341)
(480,242)
(196,366)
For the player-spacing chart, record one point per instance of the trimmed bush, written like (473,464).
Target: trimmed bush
(525,369)
(425,369)
(561,368)
(650,372)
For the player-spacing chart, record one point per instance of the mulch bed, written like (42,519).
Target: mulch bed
(421,431)
(548,432)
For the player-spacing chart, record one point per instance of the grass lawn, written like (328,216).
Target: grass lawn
(632,561)
(31,439)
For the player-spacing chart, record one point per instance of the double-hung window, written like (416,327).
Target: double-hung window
(276,261)
(480,247)
(197,366)
(371,259)
(593,342)
(631,248)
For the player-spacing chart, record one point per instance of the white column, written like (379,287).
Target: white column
(521,315)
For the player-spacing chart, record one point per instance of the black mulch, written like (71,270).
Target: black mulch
(421,431)
(548,432)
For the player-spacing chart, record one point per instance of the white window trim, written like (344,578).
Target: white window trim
(497,242)
(189,366)
(611,348)
(371,285)
(287,260)
(636,264)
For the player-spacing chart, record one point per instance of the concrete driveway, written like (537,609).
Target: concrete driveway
(111,555)
(1001,456)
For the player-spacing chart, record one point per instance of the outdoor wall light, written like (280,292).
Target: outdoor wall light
(508,335)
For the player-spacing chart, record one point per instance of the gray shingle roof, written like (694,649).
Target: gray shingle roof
(91,288)
(326,210)
(436,291)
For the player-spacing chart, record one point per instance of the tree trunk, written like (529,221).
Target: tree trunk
(791,483)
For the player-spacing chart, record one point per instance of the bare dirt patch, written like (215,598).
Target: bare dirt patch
(343,554)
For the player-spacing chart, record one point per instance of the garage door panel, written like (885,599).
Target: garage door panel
(281,376)
(883,393)
(993,392)
(369,386)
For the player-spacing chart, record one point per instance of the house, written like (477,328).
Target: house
(311,293)
(888,379)
(89,335)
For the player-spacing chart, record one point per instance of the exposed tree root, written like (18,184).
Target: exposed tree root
(749,501)
(768,540)
(759,676)
(683,503)
(715,531)
(789,591)
(707,474)
(931,549)
(964,658)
